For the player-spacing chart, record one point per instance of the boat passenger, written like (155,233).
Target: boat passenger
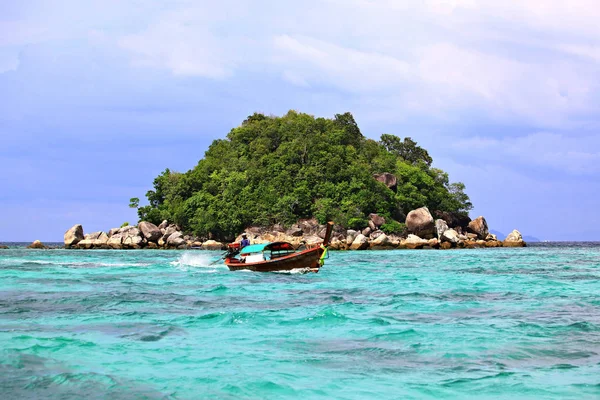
(245,241)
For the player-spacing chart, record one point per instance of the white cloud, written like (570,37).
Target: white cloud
(575,155)
(326,63)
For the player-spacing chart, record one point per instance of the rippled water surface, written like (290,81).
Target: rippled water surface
(489,323)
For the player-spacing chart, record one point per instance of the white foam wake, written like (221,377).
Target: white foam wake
(198,260)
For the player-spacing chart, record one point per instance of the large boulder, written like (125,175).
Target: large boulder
(450,236)
(295,231)
(101,240)
(479,226)
(212,245)
(454,219)
(382,242)
(413,242)
(115,241)
(420,222)
(175,240)
(441,226)
(150,231)
(361,242)
(514,239)
(37,245)
(351,234)
(163,225)
(377,220)
(309,226)
(388,180)
(73,235)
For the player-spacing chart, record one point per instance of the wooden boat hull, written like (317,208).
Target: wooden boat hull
(307,259)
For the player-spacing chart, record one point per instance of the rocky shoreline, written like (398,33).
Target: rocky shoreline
(422,231)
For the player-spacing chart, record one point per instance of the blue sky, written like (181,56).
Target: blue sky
(98,97)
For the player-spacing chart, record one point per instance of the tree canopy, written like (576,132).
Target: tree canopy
(280,169)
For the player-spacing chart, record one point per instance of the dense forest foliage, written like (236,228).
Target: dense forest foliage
(280,169)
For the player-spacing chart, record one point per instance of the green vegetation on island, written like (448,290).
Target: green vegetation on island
(281,169)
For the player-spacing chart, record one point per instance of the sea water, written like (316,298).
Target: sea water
(489,323)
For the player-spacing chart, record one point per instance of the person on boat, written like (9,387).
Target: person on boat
(245,241)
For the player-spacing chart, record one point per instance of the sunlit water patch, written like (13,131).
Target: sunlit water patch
(489,323)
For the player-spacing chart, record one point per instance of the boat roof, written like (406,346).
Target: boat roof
(257,248)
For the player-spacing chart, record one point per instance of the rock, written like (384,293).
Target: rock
(36,245)
(102,240)
(491,236)
(278,228)
(479,226)
(414,242)
(197,243)
(150,231)
(295,231)
(445,245)
(454,219)
(366,231)
(163,225)
(388,179)
(382,242)
(377,220)
(350,236)
(514,239)
(434,243)
(420,222)
(337,244)
(3,247)
(360,243)
(472,236)
(93,235)
(376,234)
(73,235)
(441,226)
(152,245)
(309,226)
(113,231)
(372,226)
(493,243)
(161,242)
(115,241)
(133,241)
(86,244)
(175,239)
(313,239)
(450,236)
(212,245)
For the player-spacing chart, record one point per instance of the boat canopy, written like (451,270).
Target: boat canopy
(275,247)
(254,248)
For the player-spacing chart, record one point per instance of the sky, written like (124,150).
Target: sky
(97,97)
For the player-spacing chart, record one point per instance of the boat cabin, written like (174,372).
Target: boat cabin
(265,252)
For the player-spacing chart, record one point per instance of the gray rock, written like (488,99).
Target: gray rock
(440,227)
(115,241)
(479,226)
(175,239)
(377,220)
(450,235)
(420,222)
(150,231)
(350,236)
(366,231)
(73,235)
(163,225)
(360,243)
(294,231)
(388,179)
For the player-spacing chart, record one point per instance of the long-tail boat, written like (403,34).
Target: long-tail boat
(278,256)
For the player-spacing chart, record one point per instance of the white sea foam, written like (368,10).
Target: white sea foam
(197,260)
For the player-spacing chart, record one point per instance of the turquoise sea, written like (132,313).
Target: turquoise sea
(488,323)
